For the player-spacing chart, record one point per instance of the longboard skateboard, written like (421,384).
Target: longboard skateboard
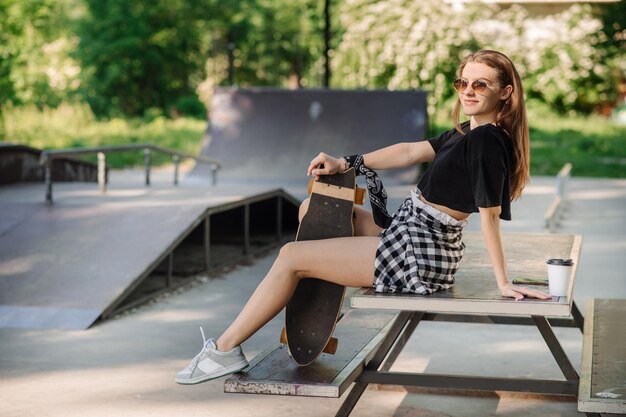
(314,308)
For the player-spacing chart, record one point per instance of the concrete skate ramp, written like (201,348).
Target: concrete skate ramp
(64,266)
(272,134)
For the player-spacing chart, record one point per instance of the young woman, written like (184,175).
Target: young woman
(478,166)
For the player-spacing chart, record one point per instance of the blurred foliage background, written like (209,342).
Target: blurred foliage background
(86,72)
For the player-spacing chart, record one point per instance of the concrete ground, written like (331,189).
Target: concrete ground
(126,366)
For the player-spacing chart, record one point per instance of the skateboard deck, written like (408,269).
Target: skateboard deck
(314,308)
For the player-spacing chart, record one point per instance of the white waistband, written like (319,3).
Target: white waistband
(444,218)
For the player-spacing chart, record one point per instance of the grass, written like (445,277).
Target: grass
(71,126)
(595,146)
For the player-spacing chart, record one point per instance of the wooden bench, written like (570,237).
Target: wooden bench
(360,335)
(374,332)
(602,386)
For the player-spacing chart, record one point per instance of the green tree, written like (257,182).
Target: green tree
(613,16)
(264,43)
(9,30)
(406,44)
(34,46)
(140,54)
(271,42)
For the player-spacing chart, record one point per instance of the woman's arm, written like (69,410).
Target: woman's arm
(400,155)
(490,226)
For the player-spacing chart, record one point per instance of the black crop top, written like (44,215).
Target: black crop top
(470,170)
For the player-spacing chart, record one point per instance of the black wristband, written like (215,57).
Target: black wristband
(375,188)
(356,162)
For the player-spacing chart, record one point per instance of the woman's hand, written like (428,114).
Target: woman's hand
(514,291)
(324,164)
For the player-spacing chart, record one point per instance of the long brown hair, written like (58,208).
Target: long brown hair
(511,113)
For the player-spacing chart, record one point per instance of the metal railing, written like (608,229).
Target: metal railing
(562,180)
(47,156)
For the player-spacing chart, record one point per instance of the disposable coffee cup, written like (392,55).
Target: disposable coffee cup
(559,271)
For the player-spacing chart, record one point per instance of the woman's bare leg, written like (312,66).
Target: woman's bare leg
(347,261)
(364,224)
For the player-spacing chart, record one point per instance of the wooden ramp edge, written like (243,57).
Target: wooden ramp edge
(273,372)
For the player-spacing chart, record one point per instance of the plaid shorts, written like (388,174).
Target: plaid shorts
(420,251)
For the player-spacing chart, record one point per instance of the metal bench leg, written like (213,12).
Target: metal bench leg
(578,317)
(414,320)
(556,349)
(359,387)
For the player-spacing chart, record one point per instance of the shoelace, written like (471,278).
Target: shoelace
(194,361)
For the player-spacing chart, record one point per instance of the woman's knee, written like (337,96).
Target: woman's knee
(287,260)
(286,251)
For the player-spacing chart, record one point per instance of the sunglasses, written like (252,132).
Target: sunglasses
(478,86)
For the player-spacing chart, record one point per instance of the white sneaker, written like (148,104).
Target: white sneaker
(210,363)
